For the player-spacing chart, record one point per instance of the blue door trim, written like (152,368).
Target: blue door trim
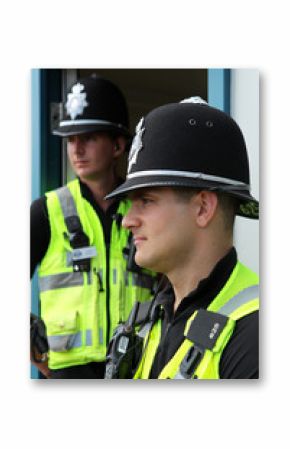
(35,132)
(35,176)
(218,88)
(46,151)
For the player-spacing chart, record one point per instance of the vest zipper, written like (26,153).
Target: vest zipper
(162,339)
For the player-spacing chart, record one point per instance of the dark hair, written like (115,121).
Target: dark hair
(230,206)
(227,203)
(185,193)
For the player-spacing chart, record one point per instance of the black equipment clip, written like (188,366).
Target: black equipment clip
(190,362)
(124,349)
(203,332)
(38,339)
(78,239)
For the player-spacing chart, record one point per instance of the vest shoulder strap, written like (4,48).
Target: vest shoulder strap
(69,209)
(245,296)
(145,315)
(206,326)
(79,241)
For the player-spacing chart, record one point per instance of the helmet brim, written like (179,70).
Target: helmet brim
(248,207)
(73,130)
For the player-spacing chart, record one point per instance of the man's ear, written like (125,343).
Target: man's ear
(206,203)
(120,145)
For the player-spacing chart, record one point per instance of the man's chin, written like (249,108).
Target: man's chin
(144,262)
(86,175)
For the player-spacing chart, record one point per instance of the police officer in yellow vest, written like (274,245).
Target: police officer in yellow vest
(87,282)
(188,177)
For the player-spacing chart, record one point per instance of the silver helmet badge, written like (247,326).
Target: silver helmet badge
(137,144)
(76,101)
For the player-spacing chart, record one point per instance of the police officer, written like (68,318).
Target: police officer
(86,285)
(188,177)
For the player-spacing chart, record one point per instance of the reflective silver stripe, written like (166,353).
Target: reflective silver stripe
(101,336)
(114,276)
(88,122)
(188,174)
(89,340)
(61,280)
(89,277)
(67,202)
(60,343)
(241,298)
(69,259)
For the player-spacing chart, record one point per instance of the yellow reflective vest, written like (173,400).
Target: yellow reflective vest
(206,332)
(81,309)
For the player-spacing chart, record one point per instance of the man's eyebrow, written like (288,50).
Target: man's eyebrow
(136,193)
(140,193)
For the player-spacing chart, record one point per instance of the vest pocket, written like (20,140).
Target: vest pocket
(63,334)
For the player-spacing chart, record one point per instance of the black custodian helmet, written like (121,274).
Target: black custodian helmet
(93,104)
(190,144)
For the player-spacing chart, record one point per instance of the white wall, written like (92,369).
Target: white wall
(245,110)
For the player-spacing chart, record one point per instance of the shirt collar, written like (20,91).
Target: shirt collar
(206,290)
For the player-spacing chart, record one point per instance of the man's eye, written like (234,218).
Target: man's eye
(88,137)
(146,200)
(82,138)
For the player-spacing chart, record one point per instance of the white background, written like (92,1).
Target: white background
(144,34)
(245,110)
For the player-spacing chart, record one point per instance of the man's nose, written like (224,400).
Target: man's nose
(130,220)
(78,145)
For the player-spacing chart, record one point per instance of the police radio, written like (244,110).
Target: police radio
(124,349)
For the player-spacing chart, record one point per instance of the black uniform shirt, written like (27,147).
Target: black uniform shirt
(240,357)
(40,228)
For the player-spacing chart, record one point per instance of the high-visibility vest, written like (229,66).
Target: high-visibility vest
(81,309)
(207,332)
